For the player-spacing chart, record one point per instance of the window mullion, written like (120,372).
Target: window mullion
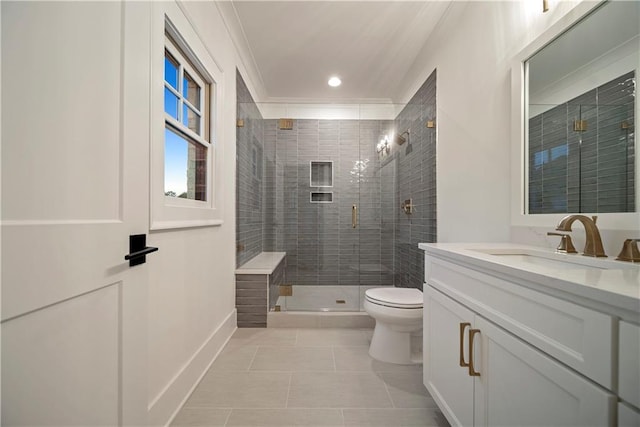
(171,89)
(180,89)
(193,107)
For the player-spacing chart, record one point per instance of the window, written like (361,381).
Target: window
(185,153)
(185,141)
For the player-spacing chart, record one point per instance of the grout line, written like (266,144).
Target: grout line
(393,405)
(333,354)
(253,358)
(286,402)
(226,421)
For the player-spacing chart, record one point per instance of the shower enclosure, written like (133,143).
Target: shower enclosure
(319,183)
(338,231)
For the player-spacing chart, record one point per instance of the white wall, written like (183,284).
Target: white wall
(192,282)
(473,48)
(469,48)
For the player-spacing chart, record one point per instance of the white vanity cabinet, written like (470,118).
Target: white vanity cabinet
(517,384)
(541,360)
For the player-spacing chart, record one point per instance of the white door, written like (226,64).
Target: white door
(520,386)
(448,382)
(75,159)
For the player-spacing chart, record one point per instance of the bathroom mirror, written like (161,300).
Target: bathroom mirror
(580,112)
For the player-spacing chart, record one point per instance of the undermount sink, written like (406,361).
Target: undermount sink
(554,259)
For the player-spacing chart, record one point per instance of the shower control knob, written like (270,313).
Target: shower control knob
(407,206)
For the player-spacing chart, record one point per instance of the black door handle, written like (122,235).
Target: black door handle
(141,253)
(138,249)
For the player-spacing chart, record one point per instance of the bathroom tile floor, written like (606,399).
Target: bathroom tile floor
(307,377)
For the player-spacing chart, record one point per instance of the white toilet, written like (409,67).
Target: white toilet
(397,337)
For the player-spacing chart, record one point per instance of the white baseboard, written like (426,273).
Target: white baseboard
(166,405)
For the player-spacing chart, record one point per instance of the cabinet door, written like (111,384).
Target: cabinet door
(629,363)
(520,386)
(449,384)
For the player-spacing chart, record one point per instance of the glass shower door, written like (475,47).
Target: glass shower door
(325,187)
(376,172)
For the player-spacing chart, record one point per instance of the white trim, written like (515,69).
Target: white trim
(32,222)
(323,111)
(165,406)
(185,47)
(519,181)
(168,225)
(181,128)
(171,213)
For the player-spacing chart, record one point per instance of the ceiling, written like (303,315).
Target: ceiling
(290,48)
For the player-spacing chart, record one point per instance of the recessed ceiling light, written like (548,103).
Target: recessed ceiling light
(334,82)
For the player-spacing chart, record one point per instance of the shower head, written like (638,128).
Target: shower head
(399,139)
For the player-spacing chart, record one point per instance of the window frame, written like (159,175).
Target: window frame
(167,212)
(178,127)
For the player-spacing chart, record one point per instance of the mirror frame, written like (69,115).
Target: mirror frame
(519,129)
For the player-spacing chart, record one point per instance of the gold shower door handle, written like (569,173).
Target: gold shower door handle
(463,326)
(472,370)
(354,216)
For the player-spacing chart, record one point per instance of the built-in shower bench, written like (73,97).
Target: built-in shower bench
(257,287)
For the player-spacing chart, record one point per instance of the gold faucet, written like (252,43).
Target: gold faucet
(630,251)
(593,244)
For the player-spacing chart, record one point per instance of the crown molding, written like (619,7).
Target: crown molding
(245,60)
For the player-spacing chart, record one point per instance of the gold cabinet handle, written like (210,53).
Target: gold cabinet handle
(354,216)
(463,326)
(472,370)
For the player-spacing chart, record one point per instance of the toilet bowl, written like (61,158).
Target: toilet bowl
(397,337)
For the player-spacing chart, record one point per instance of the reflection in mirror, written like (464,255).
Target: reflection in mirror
(581,102)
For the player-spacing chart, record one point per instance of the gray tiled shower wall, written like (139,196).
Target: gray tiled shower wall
(415,168)
(595,175)
(322,246)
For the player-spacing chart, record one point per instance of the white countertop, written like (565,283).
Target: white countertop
(617,287)
(263,263)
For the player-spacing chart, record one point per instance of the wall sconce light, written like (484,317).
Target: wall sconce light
(545,6)
(384,146)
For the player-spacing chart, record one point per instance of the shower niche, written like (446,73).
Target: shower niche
(321,197)
(321,174)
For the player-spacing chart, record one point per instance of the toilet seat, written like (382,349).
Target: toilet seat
(403,298)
